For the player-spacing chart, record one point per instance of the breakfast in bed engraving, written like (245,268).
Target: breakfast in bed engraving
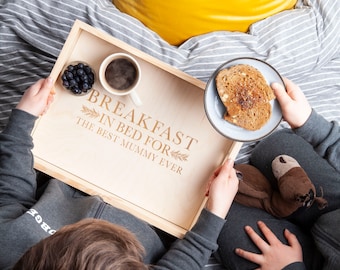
(135,131)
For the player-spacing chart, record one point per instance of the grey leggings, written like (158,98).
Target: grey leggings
(320,172)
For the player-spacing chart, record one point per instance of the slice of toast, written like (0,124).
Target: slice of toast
(251,119)
(243,91)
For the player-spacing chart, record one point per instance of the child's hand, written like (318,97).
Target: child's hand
(222,188)
(275,254)
(37,98)
(294,105)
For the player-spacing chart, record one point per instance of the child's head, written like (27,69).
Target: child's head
(87,244)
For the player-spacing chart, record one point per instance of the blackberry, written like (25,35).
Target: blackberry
(78,78)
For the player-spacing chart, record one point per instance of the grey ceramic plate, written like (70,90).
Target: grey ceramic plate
(215,109)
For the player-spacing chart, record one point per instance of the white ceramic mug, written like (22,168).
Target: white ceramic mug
(120,74)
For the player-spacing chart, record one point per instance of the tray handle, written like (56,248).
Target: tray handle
(233,151)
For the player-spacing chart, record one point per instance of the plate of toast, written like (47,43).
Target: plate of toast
(239,102)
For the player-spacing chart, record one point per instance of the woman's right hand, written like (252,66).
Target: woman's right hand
(294,105)
(222,188)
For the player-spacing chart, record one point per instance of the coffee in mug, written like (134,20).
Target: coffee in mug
(120,74)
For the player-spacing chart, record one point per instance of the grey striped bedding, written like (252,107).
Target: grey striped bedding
(302,44)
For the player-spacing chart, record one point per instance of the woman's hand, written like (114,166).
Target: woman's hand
(294,105)
(222,188)
(37,98)
(275,254)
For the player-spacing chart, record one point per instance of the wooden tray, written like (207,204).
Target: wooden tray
(152,161)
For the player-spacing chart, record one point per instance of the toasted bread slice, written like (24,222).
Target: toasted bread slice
(243,91)
(251,119)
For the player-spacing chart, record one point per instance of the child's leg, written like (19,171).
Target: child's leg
(322,174)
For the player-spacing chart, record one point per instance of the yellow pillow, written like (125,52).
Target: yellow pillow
(177,20)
